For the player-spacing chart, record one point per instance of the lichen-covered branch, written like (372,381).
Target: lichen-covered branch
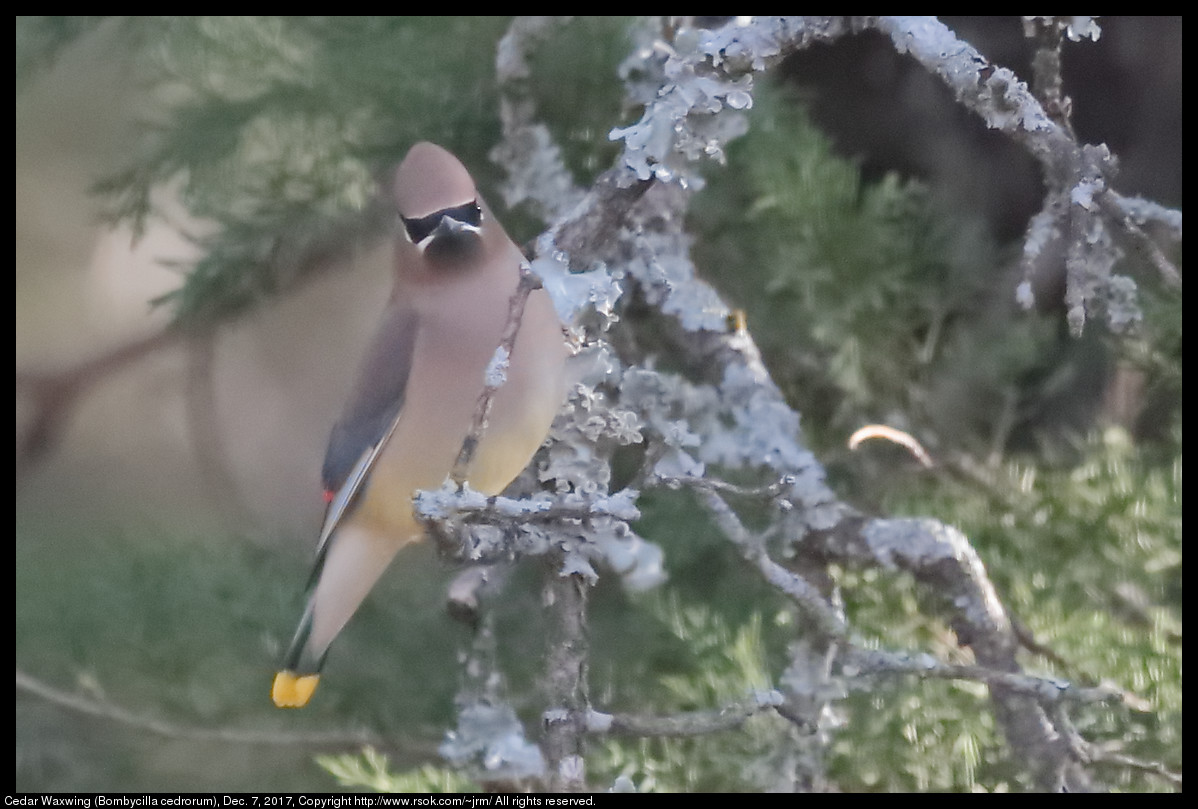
(1047,84)
(565,717)
(536,173)
(826,620)
(625,237)
(496,374)
(690,723)
(1046,691)
(1076,176)
(941,558)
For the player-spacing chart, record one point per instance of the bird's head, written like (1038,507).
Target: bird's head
(438,204)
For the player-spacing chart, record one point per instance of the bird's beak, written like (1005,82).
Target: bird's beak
(451,240)
(453,228)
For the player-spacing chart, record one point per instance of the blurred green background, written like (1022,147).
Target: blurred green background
(868,228)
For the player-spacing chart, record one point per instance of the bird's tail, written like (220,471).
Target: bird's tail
(292,690)
(346,569)
(297,680)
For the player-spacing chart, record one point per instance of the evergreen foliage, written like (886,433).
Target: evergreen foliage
(276,127)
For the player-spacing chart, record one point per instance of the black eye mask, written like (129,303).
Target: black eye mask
(419,229)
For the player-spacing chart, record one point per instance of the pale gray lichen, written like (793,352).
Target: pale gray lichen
(613,544)
(1042,230)
(1084,192)
(691,111)
(919,541)
(921,544)
(444,502)
(637,561)
(576,459)
(574,293)
(761,428)
(1092,256)
(1079,28)
(491,736)
(1147,212)
(576,563)
(1024,295)
(537,172)
(621,505)
(997,94)
(1123,311)
(623,784)
(496,372)
(752,41)
(660,262)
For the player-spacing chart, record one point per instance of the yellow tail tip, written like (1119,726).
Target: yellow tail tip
(291,690)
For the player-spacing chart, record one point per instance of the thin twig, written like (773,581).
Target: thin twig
(1110,203)
(687,723)
(114,713)
(1046,69)
(1043,689)
(495,376)
(827,621)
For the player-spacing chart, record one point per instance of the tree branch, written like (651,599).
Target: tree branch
(114,713)
(496,374)
(56,395)
(565,718)
(688,723)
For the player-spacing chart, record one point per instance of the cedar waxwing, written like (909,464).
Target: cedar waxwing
(402,428)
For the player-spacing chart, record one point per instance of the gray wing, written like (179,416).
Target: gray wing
(356,441)
(377,398)
(369,417)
